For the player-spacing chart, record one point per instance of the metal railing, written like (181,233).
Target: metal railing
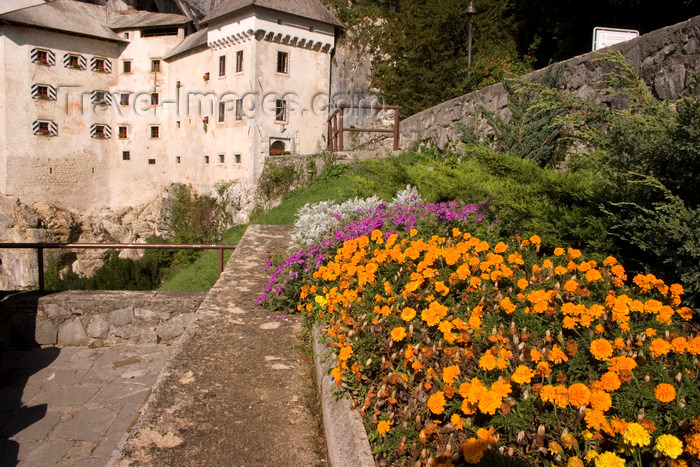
(40,247)
(336,125)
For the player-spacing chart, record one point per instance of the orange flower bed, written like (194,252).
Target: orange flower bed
(457,351)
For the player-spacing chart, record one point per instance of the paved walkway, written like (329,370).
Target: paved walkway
(238,390)
(72,406)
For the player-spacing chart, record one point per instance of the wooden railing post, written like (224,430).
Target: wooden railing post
(341,123)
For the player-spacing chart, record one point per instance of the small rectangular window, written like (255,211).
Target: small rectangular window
(206,159)
(45,128)
(239,61)
(177,159)
(177,124)
(155,98)
(237,158)
(101,64)
(222,158)
(127,66)
(222,65)
(151,162)
(155,132)
(282,62)
(76,62)
(280,110)
(124,99)
(126,155)
(155,65)
(43,57)
(122,132)
(222,111)
(239,109)
(126,35)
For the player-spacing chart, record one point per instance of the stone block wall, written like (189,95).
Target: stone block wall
(665,59)
(97,318)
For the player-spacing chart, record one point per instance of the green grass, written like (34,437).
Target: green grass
(203,273)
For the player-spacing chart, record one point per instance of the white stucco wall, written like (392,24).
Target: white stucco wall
(77,171)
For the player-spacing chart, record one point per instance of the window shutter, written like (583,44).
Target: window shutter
(53,127)
(82,62)
(34,56)
(108,98)
(51,57)
(106,131)
(108,66)
(93,63)
(93,97)
(51,91)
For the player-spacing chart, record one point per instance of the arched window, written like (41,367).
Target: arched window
(277,148)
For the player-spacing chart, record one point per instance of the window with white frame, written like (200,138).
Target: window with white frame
(99,97)
(155,98)
(126,155)
(74,61)
(44,128)
(282,62)
(280,110)
(222,65)
(126,66)
(124,98)
(123,132)
(100,131)
(239,61)
(155,65)
(237,158)
(222,112)
(155,132)
(43,91)
(239,110)
(101,65)
(222,158)
(43,57)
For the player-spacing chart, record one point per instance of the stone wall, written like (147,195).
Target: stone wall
(665,59)
(97,318)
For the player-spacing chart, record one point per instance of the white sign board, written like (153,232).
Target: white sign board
(605,37)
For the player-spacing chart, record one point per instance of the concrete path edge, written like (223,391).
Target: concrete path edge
(346,437)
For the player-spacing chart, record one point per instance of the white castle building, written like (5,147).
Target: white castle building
(106,108)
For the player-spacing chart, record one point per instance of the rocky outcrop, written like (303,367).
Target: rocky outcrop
(41,222)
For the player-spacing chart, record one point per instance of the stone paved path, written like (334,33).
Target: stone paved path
(238,390)
(72,406)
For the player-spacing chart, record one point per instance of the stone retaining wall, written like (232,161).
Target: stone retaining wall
(665,59)
(95,317)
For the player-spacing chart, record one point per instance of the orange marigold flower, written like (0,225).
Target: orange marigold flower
(507,305)
(335,373)
(450,373)
(398,333)
(659,347)
(600,400)
(500,247)
(434,314)
(489,402)
(436,403)
(559,251)
(408,313)
(383,427)
(522,284)
(535,355)
(650,332)
(457,421)
(611,381)
(694,345)
(571,286)
(593,275)
(522,375)
(502,388)
(679,344)
(601,349)
(543,369)
(535,239)
(579,395)
(557,355)
(487,361)
(594,419)
(560,270)
(664,392)
(473,450)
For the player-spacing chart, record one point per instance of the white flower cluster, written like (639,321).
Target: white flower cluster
(315,221)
